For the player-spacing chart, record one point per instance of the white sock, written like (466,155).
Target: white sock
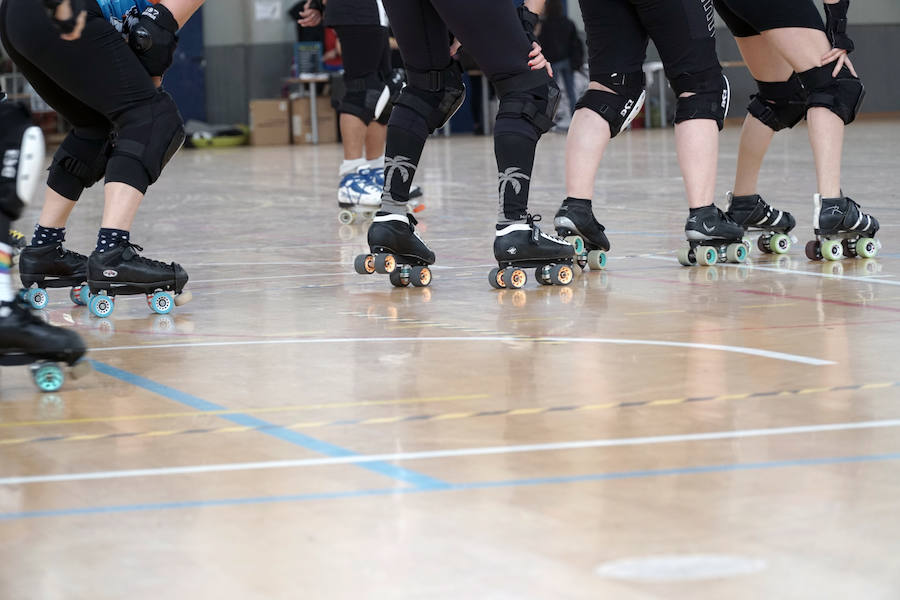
(349,166)
(6,290)
(376,163)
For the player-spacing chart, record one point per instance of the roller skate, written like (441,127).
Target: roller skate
(842,229)
(754,214)
(121,271)
(52,266)
(712,238)
(522,245)
(575,223)
(18,243)
(27,340)
(358,196)
(397,250)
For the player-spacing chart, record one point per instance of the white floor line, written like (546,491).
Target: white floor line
(451,453)
(796,358)
(878,279)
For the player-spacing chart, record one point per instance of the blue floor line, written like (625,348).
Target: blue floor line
(292,437)
(477,485)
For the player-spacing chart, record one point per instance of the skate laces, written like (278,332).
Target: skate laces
(148,261)
(536,233)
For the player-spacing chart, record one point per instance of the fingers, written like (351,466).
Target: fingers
(550,69)
(79,27)
(850,66)
(535,49)
(832,55)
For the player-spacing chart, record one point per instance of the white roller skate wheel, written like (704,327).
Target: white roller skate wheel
(832,250)
(345,217)
(183,298)
(684,257)
(780,243)
(706,255)
(866,248)
(736,253)
(596,259)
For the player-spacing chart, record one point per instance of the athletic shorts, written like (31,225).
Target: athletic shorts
(746,18)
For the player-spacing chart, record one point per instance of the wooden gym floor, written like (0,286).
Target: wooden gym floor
(300,431)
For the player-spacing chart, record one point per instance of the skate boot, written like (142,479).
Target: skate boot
(576,224)
(842,229)
(122,271)
(377,175)
(397,250)
(712,237)
(523,245)
(52,266)
(27,340)
(358,195)
(754,214)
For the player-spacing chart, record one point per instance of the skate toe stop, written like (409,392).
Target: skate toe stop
(80,369)
(183,298)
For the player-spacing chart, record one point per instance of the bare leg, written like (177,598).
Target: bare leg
(353,132)
(56,210)
(697,144)
(586,141)
(376,134)
(121,206)
(803,49)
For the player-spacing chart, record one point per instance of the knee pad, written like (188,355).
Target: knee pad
(366,97)
(22,153)
(531,97)
(79,162)
(779,105)
(843,95)
(395,84)
(710,99)
(151,134)
(435,95)
(619,109)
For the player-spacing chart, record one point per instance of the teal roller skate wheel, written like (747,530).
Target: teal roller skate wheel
(37,298)
(866,247)
(577,243)
(162,303)
(780,243)
(101,306)
(596,259)
(832,250)
(736,253)
(48,377)
(706,255)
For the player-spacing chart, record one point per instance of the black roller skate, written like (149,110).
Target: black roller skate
(712,238)
(523,245)
(575,223)
(52,266)
(122,271)
(27,340)
(754,214)
(842,229)
(397,250)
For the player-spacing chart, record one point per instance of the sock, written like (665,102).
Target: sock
(45,236)
(350,166)
(376,163)
(515,160)
(6,291)
(108,238)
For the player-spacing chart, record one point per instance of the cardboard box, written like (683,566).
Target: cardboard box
(270,122)
(301,131)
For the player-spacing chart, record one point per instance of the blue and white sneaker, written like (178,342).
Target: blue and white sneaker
(359,189)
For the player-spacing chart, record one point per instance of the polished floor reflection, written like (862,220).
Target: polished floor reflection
(300,431)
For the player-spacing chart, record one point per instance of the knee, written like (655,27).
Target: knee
(366,97)
(703,95)
(843,95)
(779,105)
(430,98)
(528,103)
(80,162)
(619,102)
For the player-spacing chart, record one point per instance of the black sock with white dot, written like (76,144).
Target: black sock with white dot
(48,236)
(108,238)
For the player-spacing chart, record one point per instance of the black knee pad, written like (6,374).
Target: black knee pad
(151,134)
(531,97)
(22,156)
(435,95)
(710,99)
(843,95)
(620,108)
(366,97)
(780,105)
(79,162)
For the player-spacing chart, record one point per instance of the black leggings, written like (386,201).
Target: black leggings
(364,50)
(94,82)
(746,18)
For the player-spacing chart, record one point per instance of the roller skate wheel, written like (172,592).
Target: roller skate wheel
(183,298)
(764,244)
(161,303)
(746,241)
(37,298)
(420,276)
(48,377)
(832,250)
(596,259)
(514,278)
(813,250)
(684,257)
(780,243)
(76,295)
(542,274)
(364,264)
(495,278)
(102,306)
(80,369)
(866,247)
(706,255)
(345,217)
(736,253)
(397,279)
(385,263)
(561,275)
(577,243)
